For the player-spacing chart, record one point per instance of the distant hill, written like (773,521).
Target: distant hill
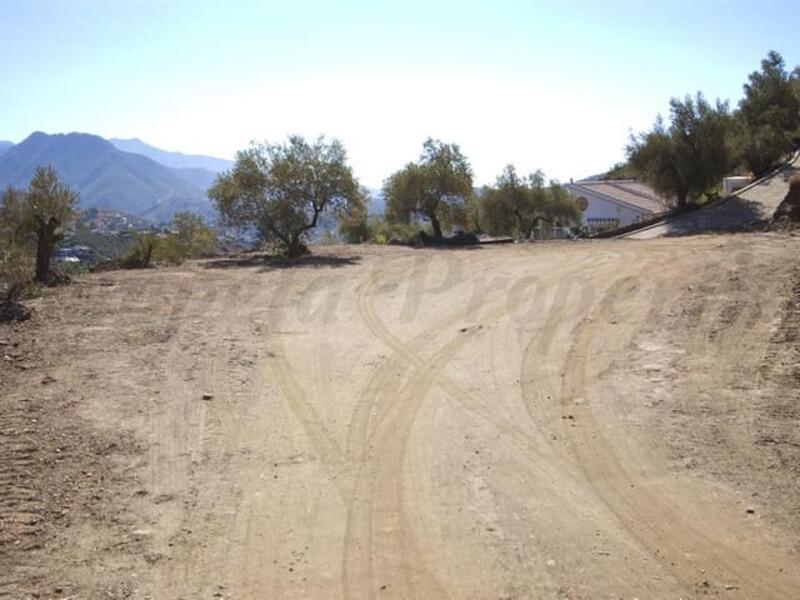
(199,178)
(106,177)
(377,203)
(5,146)
(174,160)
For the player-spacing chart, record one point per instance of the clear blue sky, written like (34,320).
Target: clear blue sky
(551,85)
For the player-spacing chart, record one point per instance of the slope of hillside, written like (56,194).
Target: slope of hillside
(174,160)
(5,146)
(104,176)
(751,205)
(202,179)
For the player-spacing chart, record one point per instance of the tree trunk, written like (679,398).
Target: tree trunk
(47,238)
(682,200)
(44,248)
(295,248)
(437,228)
(11,309)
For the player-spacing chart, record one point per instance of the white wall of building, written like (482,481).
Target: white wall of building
(600,208)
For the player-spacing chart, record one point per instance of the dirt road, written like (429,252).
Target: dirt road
(611,419)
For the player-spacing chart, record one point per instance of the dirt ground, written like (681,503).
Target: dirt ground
(615,419)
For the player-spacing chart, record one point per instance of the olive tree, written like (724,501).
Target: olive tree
(281,190)
(561,208)
(516,205)
(688,157)
(768,118)
(435,188)
(353,223)
(13,218)
(16,256)
(49,207)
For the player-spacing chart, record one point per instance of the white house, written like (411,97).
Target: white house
(608,204)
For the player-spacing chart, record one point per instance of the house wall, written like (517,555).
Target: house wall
(600,208)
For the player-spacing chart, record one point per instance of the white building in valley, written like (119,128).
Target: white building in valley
(608,204)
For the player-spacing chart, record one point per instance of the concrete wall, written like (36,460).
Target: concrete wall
(732,184)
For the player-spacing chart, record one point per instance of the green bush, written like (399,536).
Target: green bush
(169,249)
(16,266)
(381,231)
(196,238)
(353,218)
(140,254)
(354,227)
(190,238)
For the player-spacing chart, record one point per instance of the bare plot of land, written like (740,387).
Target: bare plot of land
(588,420)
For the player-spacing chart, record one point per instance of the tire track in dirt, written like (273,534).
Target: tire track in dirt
(323,443)
(546,367)
(370,402)
(380,484)
(358,578)
(242,552)
(20,505)
(408,355)
(379,480)
(360,555)
(727,328)
(185,429)
(658,526)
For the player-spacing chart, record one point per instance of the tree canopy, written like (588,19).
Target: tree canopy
(353,223)
(435,188)
(769,115)
(688,157)
(516,205)
(281,190)
(32,223)
(16,252)
(36,217)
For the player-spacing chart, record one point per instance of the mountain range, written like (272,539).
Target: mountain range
(174,160)
(124,175)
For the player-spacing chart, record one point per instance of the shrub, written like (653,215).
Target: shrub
(382,231)
(197,239)
(16,265)
(141,252)
(169,249)
(353,221)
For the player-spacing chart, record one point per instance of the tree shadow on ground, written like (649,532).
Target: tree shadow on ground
(732,215)
(268,262)
(447,248)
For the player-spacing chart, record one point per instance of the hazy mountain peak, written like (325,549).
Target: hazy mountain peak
(174,160)
(106,177)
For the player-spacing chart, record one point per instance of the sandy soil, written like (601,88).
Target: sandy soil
(612,419)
